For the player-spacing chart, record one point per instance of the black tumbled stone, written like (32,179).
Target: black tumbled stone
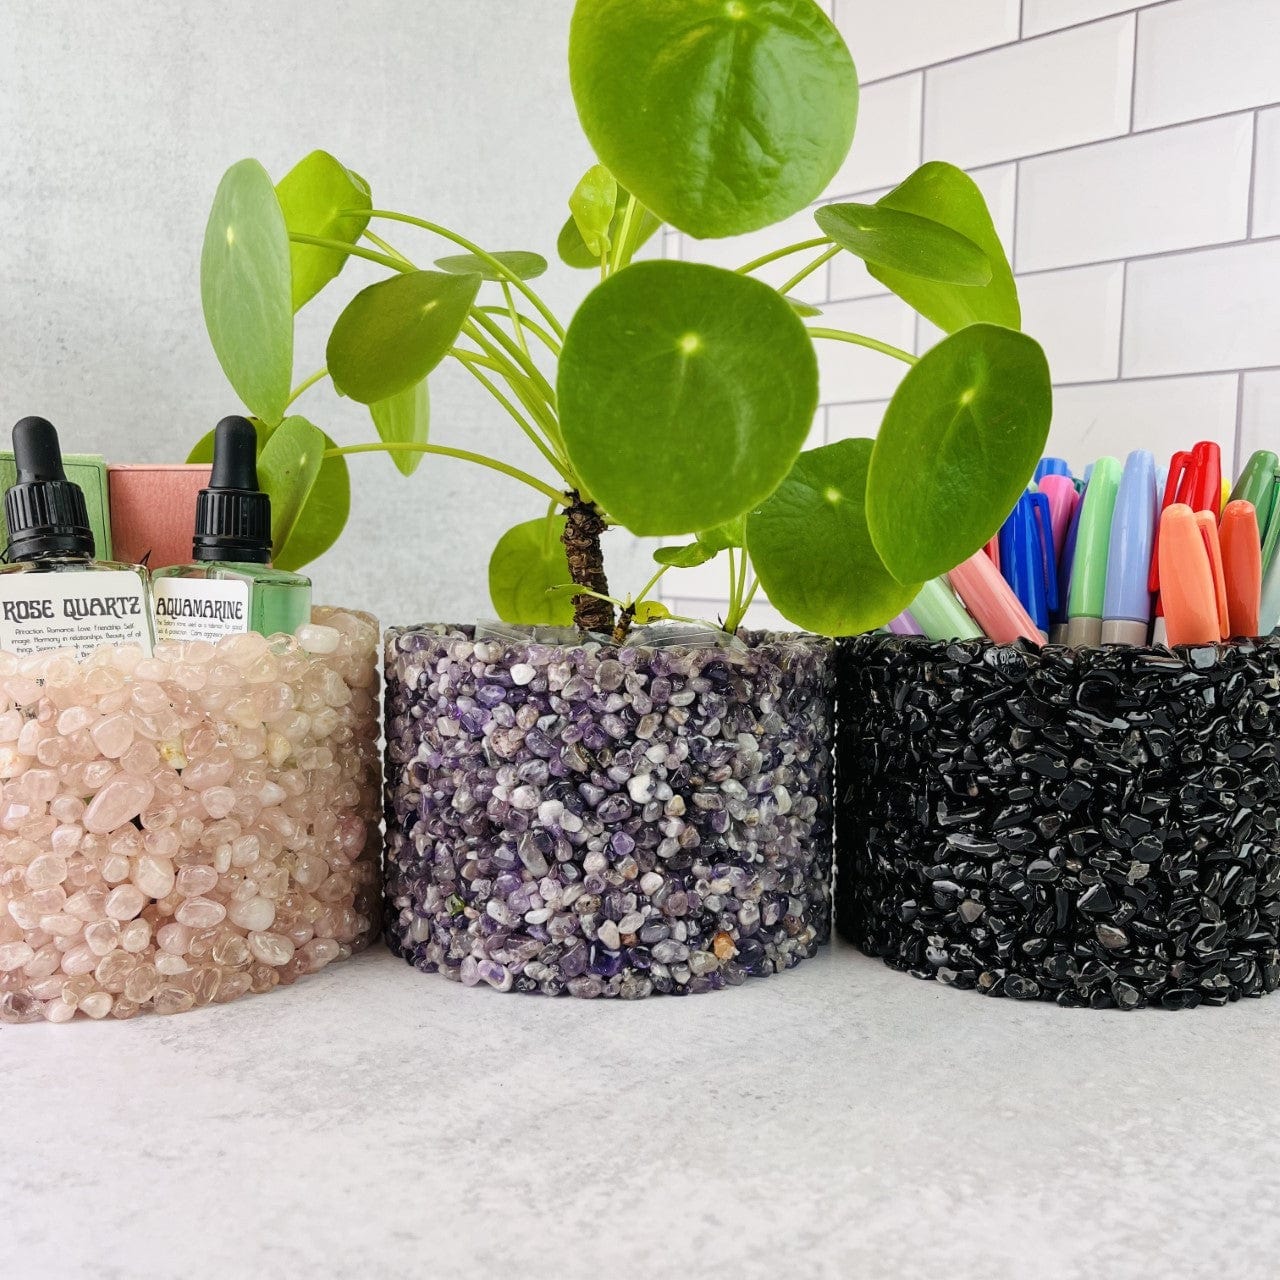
(1097,828)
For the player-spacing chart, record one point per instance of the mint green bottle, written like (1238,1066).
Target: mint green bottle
(230,587)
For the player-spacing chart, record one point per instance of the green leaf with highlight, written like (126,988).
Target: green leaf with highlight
(573,249)
(722,116)
(246,289)
(404,418)
(522,264)
(959,442)
(947,195)
(685,394)
(889,238)
(316,196)
(528,572)
(394,333)
(812,549)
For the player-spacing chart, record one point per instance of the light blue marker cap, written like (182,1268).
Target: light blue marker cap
(1126,608)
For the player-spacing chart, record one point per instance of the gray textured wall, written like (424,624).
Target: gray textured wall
(117,118)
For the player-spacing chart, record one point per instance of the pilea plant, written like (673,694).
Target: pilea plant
(678,399)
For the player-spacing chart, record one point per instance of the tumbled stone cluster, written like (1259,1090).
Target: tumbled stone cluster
(1093,827)
(605,821)
(183,829)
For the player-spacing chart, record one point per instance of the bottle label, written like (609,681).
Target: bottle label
(70,610)
(200,608)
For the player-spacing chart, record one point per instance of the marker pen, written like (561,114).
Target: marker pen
(1191,603)
(1126,604)
(1242,566)
(991,601)
(1089,568)
(941,616)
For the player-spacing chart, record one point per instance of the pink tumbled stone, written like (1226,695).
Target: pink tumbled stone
(200,913)
(218,801)
(120,800)
(113,736)
(124,902)
(45,871)
(195,881)
(154,876)
(255,914)
(13,955)
(271,948)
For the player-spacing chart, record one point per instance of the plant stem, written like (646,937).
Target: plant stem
(305,384)
(470,361)
(861,340)
(756,263)
(341,246)
(501,268)
(531,325)
(583,525)
(653,582)
(465,455)
(533,397)
(746,604)
(515,319)
(624,234)
(521,357)
(389,249)
(733,588)
(804,274)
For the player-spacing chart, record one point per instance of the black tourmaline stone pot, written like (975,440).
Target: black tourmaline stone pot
(1095,827)
(607,821)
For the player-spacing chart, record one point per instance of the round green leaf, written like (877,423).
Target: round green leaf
(393,333)
(958,444)
(947,195)
(730,534)
(686,557)
(313,196)
(404,418)
(905,242)
(527,572)
(593,203)
(246,289)
(811,547)
(323,515)
(573,249)
(722,116)
(528,266)
(288,467)
(685,394)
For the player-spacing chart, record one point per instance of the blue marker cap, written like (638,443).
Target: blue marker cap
(1126,608)
(1027,557)
(1051,467)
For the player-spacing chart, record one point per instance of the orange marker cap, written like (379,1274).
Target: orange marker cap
(1186,580)
(1242,566)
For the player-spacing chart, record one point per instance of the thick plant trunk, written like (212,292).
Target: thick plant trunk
(582,529)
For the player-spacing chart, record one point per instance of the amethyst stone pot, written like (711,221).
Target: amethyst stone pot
(1093,827)
(607,821)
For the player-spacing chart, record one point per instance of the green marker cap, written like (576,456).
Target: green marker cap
(1089,568)
(941,616)
(1257,484)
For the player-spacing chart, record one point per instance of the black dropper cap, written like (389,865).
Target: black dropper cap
(233,516)
(45,511)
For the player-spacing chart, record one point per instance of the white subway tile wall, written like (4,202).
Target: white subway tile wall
(1130,153)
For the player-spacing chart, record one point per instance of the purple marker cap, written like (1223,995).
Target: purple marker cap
(1126,608)
(905,625)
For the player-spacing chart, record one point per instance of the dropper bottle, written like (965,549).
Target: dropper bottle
(53,593)
(230,585)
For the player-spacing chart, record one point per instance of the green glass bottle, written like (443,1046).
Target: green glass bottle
(230,587)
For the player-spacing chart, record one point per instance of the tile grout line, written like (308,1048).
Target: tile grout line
(1253,176)
(1239,436)
(1133,72)
(1020,40)
(1103,382)
(1017,204)
(1124,300)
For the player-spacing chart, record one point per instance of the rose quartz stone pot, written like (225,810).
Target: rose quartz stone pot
(186,828)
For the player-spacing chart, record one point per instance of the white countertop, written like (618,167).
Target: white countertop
(841,1120)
